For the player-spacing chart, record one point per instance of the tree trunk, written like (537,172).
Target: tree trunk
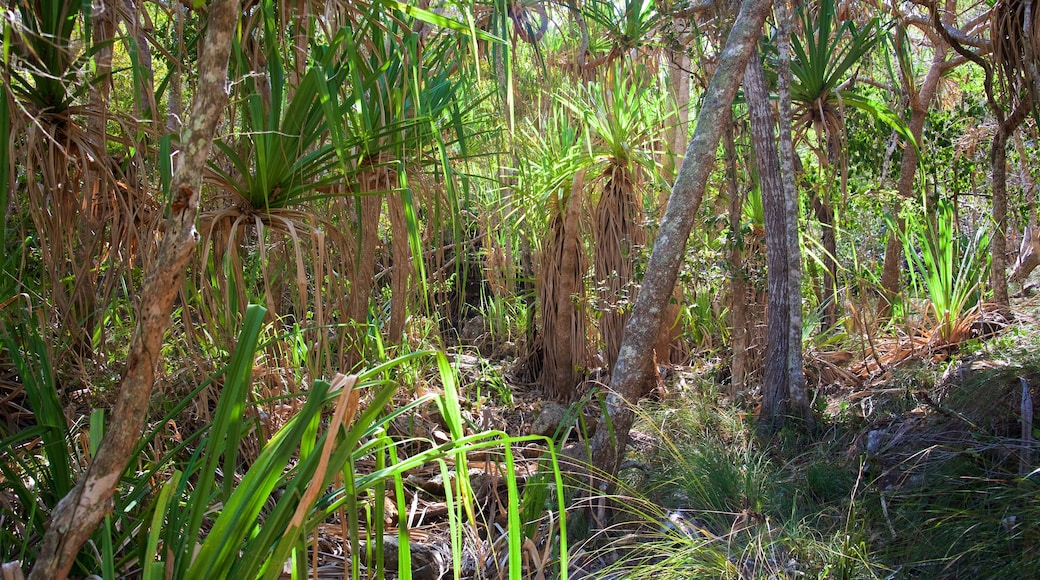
(829,297)
(998,238)
(777,400)
(78,513)
(634,372)
(738,276)
(144,75)
(796,375)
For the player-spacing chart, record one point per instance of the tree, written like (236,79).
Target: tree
(919,98)
(79,512)
(783,389)
(633,374)
(1012,23)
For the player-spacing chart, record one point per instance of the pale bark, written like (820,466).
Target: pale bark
(633,374)
(78,514)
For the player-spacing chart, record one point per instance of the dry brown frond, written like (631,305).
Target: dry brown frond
(618,235)
(560,294)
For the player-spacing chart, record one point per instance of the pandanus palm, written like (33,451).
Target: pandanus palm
(620,123)
(404,89)
(86,228)
(271,176)
(554,175)
(823,55)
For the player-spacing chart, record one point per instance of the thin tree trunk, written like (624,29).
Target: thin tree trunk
(777,400)
(78,513)
(998,238)
(633,375)
(738,277)
(174,98)
(145,75)
(796,375)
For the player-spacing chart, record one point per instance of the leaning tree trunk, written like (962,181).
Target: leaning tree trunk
(780,389)
(617,235)
(78,513)
(634,372)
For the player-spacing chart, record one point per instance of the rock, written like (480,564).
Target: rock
(549,419)
(427,561)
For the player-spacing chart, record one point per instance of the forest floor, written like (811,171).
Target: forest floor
(923,466)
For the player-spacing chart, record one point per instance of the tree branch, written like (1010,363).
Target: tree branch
(79,513)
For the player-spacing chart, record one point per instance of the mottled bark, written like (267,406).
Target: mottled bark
(799,398)
(78,514)
(780,380)
(633,374)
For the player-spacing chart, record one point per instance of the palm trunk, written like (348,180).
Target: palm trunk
(562,285)
(402,265)
(617,235)
(374,182)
